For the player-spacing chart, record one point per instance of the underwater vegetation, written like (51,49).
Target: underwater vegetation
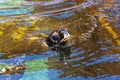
(16,38)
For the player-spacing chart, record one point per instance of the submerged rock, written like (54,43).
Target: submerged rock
(12,69)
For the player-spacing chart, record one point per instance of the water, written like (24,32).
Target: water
(93,24)
(13,7)
(10,3)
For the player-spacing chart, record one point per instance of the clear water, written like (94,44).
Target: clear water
(96,59)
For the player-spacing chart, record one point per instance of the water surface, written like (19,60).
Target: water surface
(94,26)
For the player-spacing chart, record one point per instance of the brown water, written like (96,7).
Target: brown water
(94,26)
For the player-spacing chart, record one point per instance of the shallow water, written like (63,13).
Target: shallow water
(13,7)
(94,26)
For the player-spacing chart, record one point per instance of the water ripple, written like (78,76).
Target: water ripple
(105,58)
(14,12)
(26,3)
(65,10)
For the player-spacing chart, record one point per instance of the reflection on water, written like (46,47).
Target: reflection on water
(94,26)
(14,12)
(51,2)
(7,7)
(10,3)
